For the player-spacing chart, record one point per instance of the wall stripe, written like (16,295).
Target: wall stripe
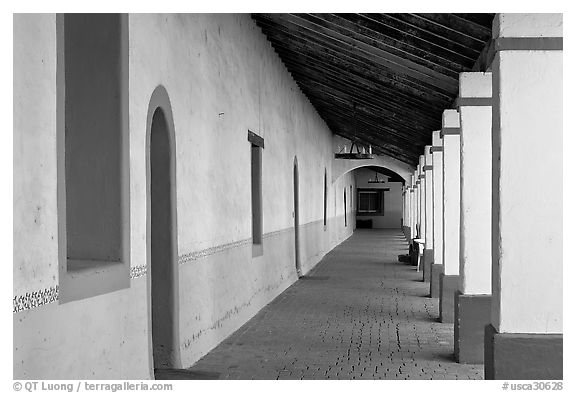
(449,131)
(528,43)
(473,101)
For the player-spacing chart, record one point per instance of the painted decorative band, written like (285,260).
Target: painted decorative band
(427,168)
(417,182)
(194,255)
(412,190)
(434,149)
(474,101)
(421,176)
(449,131)
(255,139)
(528,43)
(138,271)
(35,299)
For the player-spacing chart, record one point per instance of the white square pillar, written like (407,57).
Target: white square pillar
(524,340)
(451,165)
(422,200)
(428,217)
(472,303)
(438,211)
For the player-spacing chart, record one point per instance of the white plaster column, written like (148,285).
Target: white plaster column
(472,304)
(451,166)
(422,200)
(428,217)
(428,197)
(474,106)
(527,216)
(438,211)
(451,191)
(417,201)
(413,194)
(406,212)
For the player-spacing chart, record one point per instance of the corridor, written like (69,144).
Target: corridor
(360,314)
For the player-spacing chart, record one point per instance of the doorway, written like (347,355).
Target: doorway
(345,209)
(297,219)
(161,225)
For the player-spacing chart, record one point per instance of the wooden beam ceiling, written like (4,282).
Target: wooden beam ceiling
(379,79)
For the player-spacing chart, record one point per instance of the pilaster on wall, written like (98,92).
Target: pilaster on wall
(525,338)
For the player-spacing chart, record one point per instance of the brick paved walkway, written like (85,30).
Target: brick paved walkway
(360,314)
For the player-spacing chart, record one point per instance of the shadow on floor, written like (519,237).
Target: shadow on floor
(167,374)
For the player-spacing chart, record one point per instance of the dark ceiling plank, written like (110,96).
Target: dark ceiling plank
(360,125)
(362,79)
(344,120)
(460,31)
(403,49)
(346,37)
(364,97)
(484,61)
(376,23)
(398,51)
(305,28)
(483,21)
(386,96)
(425,39)
(352,62)
(402,132)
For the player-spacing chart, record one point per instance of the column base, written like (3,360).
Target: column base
(435,271)
(448,286)
(415,251)
(471,315)
(427,263)
(522,356)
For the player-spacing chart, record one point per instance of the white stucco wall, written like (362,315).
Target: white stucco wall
(223,78)
(35,220)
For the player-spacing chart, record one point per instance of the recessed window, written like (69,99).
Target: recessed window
(371,201)
(94,132)
(256,146)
